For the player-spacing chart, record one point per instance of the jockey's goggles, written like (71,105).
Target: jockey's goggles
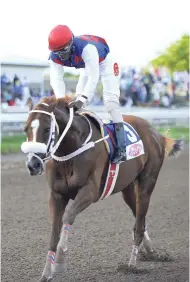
(63,52)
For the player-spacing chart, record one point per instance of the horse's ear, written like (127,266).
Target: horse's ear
(63,117)
(30,103)
(52,106)
(60,115)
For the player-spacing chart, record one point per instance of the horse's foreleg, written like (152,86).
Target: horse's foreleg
(82,200)
(147,243)
(57,206)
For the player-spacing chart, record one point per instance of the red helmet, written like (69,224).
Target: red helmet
(59,37)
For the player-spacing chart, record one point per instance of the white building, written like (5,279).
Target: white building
(32,69)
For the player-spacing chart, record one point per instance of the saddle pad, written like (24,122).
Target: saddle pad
(134,143)
(134,149)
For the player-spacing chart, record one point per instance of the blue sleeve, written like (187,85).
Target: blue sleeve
(55,59)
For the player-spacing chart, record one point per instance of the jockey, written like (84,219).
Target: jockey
(92,55)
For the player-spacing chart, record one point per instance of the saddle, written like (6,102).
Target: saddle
(134,149)
(134,143)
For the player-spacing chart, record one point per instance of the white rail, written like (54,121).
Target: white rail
(14,118)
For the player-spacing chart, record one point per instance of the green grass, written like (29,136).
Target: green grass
(11,144)
(176,132)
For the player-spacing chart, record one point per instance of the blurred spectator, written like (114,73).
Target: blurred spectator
(25,91)
(156,87)
(15,80)
(4,81)
(148,81)
(153,87)
(17,88)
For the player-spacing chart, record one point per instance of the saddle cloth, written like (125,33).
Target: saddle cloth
(134,143)
(134,149)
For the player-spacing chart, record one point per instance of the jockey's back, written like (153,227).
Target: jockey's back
(79,43)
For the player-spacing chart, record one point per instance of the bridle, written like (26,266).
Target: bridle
(49,149)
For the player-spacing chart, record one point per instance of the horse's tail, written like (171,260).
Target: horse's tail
(173,147)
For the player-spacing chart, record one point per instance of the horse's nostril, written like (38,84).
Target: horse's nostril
(37,165)
(30,168)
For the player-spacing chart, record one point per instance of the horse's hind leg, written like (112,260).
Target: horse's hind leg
(129,197)
(146,183)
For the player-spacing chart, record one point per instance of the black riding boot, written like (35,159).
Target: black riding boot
(120,154)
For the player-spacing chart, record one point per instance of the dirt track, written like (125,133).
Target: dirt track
(100,246)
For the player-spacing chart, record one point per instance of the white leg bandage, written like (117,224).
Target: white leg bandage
(133,257)
(147,243)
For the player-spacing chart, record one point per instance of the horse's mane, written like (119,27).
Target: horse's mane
(63,103)
(52,99)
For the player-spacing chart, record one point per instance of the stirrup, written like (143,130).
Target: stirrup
(118,158)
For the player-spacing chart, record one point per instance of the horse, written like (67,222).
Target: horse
(73,149)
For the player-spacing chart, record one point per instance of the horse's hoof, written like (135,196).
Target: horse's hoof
(148,246)
(45,279)
(154,256)
(58,268)
(131,266)
(132,263)
(126,268)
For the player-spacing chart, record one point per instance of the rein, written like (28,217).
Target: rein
(32,148)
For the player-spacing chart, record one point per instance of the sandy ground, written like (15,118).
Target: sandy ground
(100,246)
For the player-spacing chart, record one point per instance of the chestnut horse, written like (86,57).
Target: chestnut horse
(53,135)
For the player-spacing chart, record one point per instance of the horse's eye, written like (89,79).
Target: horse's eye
(47,130)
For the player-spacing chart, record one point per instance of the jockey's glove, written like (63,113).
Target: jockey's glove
(78,104)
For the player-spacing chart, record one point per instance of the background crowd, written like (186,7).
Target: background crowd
(16,92)
(155,87)
(144,88)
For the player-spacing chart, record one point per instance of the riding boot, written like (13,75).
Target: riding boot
(120,154)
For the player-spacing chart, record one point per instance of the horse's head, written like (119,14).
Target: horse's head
(42,131)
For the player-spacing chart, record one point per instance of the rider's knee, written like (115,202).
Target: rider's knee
(111,105)
(114,110)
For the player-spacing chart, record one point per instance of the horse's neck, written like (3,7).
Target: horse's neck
(75,137)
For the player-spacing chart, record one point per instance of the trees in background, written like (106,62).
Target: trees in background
(176,56)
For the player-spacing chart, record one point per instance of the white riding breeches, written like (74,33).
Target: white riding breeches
(109,75)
